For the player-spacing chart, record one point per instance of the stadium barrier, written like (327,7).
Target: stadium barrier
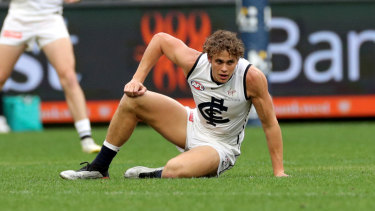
(322,58)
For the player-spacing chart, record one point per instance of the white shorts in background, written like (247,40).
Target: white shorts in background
(228,154)
(20,30)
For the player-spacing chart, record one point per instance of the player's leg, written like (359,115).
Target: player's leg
(164,114)
(197,162)
(9,55)
(60,55)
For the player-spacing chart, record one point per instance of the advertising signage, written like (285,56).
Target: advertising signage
(322,59)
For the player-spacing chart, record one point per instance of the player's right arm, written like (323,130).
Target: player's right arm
(161,44)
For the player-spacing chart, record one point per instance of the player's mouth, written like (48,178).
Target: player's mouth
(223,77)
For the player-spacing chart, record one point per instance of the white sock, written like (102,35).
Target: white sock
(83,127)
(111,146)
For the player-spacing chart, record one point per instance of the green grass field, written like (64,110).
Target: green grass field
(332,167)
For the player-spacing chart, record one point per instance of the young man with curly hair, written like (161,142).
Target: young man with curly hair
(224,86)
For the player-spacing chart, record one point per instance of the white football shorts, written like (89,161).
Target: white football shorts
(19,30)
(194,138)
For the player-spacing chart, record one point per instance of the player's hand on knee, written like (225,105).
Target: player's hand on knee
(134,88)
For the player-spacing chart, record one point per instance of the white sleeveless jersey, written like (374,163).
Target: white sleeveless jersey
(35,7)
(222,109)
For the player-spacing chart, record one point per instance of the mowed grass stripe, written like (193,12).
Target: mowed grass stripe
(331,166)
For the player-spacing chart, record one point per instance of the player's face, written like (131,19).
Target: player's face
(223,65)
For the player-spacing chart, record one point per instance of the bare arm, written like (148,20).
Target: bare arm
(161,44)
(257,89)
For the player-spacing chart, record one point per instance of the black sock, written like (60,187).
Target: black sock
(85,136)
(158,173)
(154,174)
(104,158)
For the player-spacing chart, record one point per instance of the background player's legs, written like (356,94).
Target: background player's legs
(9,55)
(60,54)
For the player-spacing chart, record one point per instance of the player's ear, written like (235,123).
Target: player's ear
(209,58)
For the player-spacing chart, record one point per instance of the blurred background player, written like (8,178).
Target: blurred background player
(41,21)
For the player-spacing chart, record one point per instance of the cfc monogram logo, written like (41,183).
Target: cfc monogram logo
(212,111)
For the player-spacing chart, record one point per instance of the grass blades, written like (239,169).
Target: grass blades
(332,167)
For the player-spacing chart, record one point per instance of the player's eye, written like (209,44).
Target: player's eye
(218,61)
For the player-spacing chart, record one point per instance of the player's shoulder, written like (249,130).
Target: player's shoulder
(256,81)
(254,74)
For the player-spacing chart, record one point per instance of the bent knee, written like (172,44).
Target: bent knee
(128,103)
(132,104)
(175,169)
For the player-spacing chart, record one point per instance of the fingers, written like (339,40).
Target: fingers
(142,90)
(134,89)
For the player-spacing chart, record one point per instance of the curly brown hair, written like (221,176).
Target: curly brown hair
(222,40)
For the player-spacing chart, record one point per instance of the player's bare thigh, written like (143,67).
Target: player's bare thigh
(60,54)
(9,55)
(164,114)
(197,162)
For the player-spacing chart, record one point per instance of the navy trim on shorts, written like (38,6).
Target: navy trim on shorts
(230,166)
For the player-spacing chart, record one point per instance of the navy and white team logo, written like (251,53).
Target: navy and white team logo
(197,85)
(212,111)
